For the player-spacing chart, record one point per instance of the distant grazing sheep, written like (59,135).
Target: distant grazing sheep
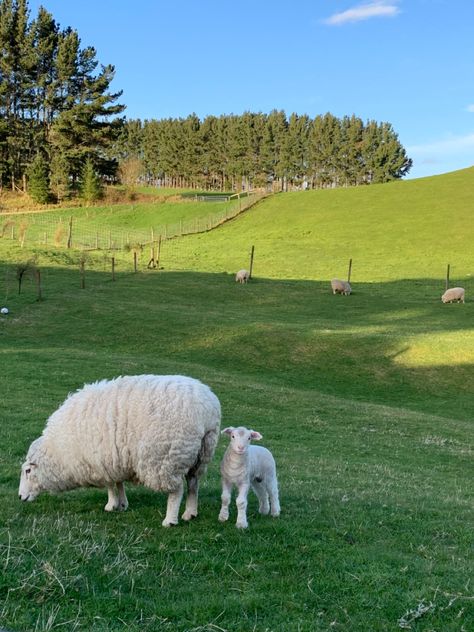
(340,287)
(246,466)
(453,294)
(242,276)
(148,429)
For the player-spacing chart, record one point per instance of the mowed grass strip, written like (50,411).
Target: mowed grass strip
(363,400)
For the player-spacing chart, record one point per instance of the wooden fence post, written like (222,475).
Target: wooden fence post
(447,276)
(69,237)
(81,270)
(158,254)
(38,284)
(349,272)
(134,260)
(113,268)
(251,261)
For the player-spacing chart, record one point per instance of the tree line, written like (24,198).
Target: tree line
(258,150)
(61,125)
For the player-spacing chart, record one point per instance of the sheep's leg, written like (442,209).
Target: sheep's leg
(225,499)
(191,510)
(274,500)
(123,502)
(172,509)
(113,501)
(262,495)
(241,503)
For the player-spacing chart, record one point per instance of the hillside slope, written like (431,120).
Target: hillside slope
(407,229)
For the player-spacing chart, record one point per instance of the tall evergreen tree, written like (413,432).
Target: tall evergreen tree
(91,187)
(38,184)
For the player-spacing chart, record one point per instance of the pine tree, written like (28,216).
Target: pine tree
(38,186)
(91,187)
(59,177)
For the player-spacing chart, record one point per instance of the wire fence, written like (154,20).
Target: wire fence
(67,232)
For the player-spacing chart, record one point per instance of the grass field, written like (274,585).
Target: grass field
(364,400)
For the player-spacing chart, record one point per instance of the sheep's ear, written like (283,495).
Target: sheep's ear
(228,430)
(255,435)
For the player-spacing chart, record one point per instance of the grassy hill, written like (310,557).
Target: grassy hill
(364,400)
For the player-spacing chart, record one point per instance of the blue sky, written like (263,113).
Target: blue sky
(408,62)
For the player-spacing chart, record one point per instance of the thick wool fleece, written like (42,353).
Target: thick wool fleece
(147,428)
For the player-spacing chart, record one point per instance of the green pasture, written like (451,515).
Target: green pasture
(365,400)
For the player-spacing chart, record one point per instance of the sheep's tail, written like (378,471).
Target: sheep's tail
(206,452)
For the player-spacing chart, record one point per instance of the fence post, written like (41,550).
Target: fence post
(113,268)
(447,276)
(251,261)
(158,255)
(69,237)
(81,270)
(134,260)
(349,272)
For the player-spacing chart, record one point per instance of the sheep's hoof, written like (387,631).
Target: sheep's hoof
(188,515)
(223,517)
(123,507)
(111,507)
(167,523)
(241,525)
(264,510)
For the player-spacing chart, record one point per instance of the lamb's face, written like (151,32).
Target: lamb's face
(29,485)
(240,438)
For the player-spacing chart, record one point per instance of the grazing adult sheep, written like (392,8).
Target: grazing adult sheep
(340,287)
(245,466)
(242,276)
(148,429)
(453,294)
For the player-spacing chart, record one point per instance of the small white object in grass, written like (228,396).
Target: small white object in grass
(4,310)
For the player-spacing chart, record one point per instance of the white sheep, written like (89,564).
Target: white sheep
(453,294)
(245,466)
(242,276)
(340,287)
(148,429)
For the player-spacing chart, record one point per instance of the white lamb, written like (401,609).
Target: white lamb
(148,429)
(453,294)
(245,466)
(340,287)
(242,276)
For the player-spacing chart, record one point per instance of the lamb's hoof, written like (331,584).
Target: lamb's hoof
(241,525)
(264,510)
(167,523)
(223,517)
(123,507)
(188,515)
(110,507)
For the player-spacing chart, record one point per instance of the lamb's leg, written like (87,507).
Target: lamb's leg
(113,502)
(123,502)
(191,510)
(262,495)
(274,500)
(225,499)
(241,502)
(172,509)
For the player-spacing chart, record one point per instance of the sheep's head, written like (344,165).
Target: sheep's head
(241,437)
(30,486)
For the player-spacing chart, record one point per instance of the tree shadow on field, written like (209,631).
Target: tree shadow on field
(393,342)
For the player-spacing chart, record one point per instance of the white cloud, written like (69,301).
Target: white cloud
(374,9)
(470,108)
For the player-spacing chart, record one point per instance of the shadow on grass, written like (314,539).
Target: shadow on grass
(393,343)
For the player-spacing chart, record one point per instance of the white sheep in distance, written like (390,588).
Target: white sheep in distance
(340,287)
(147,429)
(245,466)
(242,276)
(453,294)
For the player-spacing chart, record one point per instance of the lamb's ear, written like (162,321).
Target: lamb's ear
(255,435)
(228,430)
